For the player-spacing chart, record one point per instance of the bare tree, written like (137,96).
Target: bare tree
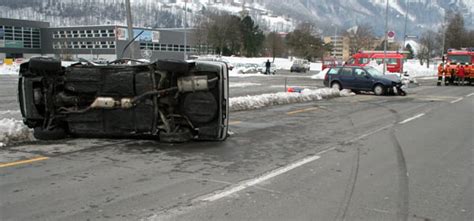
(428,46)
(361,37)
(274,44)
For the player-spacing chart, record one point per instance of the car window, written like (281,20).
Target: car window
(350,61)
(333,70)
(374,72)
(359,72)
(346,71)
(363,60)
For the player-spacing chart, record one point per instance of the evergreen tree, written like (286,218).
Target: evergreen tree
(454,32)
(411,53)
(252,36)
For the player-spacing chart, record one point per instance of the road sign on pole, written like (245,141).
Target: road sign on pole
(391,36)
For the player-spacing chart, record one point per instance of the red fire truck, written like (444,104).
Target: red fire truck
(456,59)
(393,59)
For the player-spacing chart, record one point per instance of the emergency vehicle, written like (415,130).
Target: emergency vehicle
(393,59)
(455,59)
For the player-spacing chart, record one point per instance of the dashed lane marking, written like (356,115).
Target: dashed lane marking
(469,94)
(457,100)
(234,122)
(411,118)
(302,110)
(257,180)
(15,163)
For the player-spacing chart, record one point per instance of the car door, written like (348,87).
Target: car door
(346,77)
(362,81)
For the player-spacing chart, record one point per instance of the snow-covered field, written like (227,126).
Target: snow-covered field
(9,69)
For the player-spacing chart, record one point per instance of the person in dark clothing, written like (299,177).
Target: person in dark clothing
(268,64)
(453,76)
(461,75)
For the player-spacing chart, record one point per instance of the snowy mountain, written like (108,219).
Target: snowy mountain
(279,15)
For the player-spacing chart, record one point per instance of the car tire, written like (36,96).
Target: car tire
(181,136)
(336,85)
(56,133)
(44,65)
(379,90)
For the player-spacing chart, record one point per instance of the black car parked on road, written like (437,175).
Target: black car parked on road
(363,79)
(174,101)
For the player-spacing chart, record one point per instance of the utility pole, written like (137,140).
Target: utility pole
(406,21)
(385,39)
(334,42)
(130,28)
(444,32)
(185,31)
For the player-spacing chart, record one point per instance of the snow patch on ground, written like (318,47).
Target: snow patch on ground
(235,73)
(413,68)
(14,131)
(233,85)
(320,75)
(280,63)
(9,69)
(265,100)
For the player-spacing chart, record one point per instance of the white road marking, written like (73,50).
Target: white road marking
(457,100)
(257,180)
(469,94)
(412,118)
(254,181)
(370,133)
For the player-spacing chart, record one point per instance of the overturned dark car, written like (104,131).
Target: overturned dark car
(173,101)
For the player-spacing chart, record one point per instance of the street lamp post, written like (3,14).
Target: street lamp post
(130,27)
(385,39)
(185,32)
(334,42)
(406,21)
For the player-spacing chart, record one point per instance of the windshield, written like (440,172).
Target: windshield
(373,72)
(459,58)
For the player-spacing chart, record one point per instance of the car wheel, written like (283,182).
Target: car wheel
(336,85)
(379,90)
(181,136)
(56,133)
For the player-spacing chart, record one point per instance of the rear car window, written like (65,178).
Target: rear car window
(333,70)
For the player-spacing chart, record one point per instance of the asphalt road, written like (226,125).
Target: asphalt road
(353,158)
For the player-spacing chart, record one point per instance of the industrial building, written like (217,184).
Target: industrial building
(24,39)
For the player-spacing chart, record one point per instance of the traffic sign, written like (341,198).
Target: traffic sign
(391,36)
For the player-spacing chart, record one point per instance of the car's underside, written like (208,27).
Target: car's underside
(174,101)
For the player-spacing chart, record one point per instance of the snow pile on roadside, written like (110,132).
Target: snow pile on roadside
(233,85)
(280,63)
(12,131)
(235,73)
(413,68)
(316,66)
(320,75)
(9,69)
(265,100)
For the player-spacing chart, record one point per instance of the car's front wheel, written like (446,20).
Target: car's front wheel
(379,90)
(336,85)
